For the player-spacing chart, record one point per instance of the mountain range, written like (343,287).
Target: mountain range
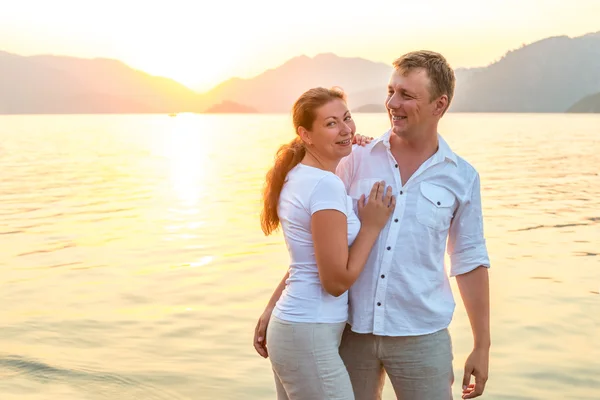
(57,84)
(589,104)
(549,75)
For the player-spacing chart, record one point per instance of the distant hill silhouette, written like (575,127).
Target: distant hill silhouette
(377,95)
(230,107)
(546,76)
(57,84)
(275,90)
(589,104)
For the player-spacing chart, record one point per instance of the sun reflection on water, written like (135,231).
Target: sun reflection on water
(187,151)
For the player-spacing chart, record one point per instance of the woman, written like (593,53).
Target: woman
(303,194)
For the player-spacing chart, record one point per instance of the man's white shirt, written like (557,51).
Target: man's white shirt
(404,289)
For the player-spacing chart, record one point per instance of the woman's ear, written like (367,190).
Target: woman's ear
(304,135)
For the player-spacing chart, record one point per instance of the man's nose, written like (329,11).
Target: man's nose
(393,102)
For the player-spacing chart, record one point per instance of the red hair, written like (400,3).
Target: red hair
(304,113)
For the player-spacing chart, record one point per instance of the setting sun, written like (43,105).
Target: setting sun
(201,46)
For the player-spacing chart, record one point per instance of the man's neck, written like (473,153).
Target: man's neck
(411,154)
(415,147)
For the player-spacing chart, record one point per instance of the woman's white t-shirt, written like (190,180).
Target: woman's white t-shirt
(306,191)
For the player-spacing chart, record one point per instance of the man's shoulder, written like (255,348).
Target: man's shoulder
(358,153)
(463,164)
(465,168)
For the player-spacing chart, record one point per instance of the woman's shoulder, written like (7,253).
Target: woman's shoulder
(308,180)
(321,177)
(307,173)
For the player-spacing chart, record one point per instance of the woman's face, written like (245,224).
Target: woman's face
(332,131)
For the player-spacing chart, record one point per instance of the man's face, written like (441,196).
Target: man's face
(408,102)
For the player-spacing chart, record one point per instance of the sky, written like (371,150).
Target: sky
(202,43)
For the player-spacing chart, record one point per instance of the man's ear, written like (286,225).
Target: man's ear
(441,104)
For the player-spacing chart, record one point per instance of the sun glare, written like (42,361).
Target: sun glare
(190,68)
(191,73)
(188,159)
(201,45)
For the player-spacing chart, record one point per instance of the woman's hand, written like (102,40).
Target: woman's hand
(361,140)
(378,208)
(260,333)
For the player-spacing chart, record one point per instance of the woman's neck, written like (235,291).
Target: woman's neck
(320,163)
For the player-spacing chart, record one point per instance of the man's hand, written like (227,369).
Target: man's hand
(260,333)
(477,364)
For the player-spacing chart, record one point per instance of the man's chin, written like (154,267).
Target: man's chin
(398,131)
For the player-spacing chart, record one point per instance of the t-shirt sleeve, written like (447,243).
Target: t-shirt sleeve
(329,194)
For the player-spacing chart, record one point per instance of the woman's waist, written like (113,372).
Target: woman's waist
(310,295)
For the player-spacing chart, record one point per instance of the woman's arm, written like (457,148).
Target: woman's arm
(339,266)
(277,293)
(260,332)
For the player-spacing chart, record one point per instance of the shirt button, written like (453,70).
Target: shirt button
(438,203)
(396,166)
(389,248)
(382,276)
(378,303)
(401,192)
(396,220)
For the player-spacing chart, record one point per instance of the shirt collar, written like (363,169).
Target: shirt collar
(383,140)
(444,150)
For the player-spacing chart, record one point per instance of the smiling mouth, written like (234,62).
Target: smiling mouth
(397,118)
(344,142)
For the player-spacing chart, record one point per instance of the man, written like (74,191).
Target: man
(402,303)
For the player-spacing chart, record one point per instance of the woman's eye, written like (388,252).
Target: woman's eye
(348,118)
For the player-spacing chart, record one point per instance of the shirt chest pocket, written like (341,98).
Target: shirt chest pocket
(435,206)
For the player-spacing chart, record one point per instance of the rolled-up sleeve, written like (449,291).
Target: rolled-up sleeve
(466,241)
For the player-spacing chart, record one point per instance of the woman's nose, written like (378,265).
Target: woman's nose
(346,128)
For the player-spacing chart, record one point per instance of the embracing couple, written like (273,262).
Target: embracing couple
(366,292)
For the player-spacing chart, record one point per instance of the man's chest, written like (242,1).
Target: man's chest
(426,201)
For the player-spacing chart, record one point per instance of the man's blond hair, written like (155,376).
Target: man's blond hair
(438,70)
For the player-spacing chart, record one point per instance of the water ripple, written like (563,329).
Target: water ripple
(104,384)
(132,264)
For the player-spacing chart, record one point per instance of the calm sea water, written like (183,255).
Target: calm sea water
(132,265)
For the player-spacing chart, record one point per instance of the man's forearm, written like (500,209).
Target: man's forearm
(278,290)
(474,288)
